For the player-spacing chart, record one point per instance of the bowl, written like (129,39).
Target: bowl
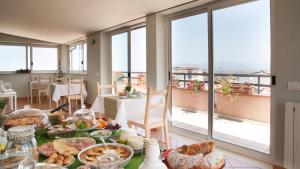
(108,165)
(104,133)
(48,166)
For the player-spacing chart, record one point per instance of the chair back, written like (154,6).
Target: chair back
(158,106)
(45,82)
(75,82)
(61,79)
(113,88)
(34,78)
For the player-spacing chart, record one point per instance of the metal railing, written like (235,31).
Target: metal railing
(185,79)
(259,85)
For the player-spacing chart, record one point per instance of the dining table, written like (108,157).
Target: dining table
(61,89)
(58,89)
(123,109)
(12,96)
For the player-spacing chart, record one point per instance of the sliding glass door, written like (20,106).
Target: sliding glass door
(190,72)
(128,51)
(236,107)
(241,48)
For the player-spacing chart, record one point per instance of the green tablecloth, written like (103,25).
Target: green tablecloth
(42,138)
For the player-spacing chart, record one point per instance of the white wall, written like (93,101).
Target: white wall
(285,65)
(156,51)
(93,54)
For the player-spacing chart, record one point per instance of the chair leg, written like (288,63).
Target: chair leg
(147,132)
(75,103)
(50,102)
(39,97)
(166,133)
(70,108)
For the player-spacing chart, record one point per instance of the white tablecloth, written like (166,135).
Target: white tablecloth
(129,109)
(62,90)
(98,105)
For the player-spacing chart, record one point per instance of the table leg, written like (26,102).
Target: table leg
(15,101)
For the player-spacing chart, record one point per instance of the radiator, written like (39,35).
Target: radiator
(292,136)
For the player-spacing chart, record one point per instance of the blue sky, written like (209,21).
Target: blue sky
(241,39)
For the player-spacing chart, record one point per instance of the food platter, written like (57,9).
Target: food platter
(115,153)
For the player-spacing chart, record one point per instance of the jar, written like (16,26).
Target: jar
(27,116)
(21,142)
(152,153)
(84,119)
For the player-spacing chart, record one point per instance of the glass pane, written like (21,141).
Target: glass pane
(76,58)
(138,59)
(119,51)
(44,58)
(84,57)
(241,44)
(12,58)
(190,73)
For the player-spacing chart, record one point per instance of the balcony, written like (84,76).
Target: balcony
(239,118)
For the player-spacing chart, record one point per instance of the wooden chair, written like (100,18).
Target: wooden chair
(61,79)
(113,88)
(44,88)
(149,122)
(75,97)
(33,85)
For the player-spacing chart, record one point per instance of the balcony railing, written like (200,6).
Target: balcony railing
(186,77)
(257,83)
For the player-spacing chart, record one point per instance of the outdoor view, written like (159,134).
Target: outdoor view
(137,58)
(241,58)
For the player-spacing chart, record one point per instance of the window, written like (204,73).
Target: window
(78,57)
(44,59)
(224,94)
(190,66)
(12,57)
(129,61)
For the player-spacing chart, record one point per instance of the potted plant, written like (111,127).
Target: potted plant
(196,85)
(118,77)
(3,106)
(227,87)
(127,90)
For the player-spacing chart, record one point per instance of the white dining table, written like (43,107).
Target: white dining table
(128,109)
(62,90)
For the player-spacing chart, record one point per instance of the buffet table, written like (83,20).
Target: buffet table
(42,138)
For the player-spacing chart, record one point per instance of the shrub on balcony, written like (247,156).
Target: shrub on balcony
(195,85)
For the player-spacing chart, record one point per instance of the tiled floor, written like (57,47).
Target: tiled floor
(252,134)
(232,162)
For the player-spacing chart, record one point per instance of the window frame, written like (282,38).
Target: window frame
(31,58)
(26,56)
(28,48)
(128,31)
(84,69)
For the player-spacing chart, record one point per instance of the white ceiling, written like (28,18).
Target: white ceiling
(62,21)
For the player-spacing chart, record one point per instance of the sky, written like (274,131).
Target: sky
(241,41)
